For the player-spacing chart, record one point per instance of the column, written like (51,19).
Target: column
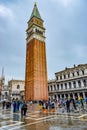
(60,96)
(51,96)
(52,87)
(59,86)
(77,86)
(49,88)
(57,96)
(82,85)
(56,87)
(78,95)
(68,86)
(64,96)
(74,95)
(63,86)
(72,85)
(83,95)
(68,95)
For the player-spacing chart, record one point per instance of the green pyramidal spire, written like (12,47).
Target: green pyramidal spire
(35,12)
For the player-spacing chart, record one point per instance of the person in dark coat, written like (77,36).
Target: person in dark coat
(73,102)
(25,108)
(68,105)
(14,106)
(22,108)
(3,104)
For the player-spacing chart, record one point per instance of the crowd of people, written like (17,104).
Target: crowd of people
(73,105)
(16,105)
(65,104)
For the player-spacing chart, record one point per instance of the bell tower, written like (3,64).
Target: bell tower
(36,68)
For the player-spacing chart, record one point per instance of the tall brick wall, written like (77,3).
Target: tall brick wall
(36,71)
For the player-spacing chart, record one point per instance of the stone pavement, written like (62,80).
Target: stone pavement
(42,121)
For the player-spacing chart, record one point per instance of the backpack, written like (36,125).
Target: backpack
(25,106)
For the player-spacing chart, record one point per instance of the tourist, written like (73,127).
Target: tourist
(3,104)
(14,106)
(24,108)
(68,105)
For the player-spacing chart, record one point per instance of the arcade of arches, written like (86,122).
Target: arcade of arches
(69,83)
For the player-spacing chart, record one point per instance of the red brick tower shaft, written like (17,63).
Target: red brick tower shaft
(36,68)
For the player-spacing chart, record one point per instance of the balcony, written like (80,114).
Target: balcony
(71,78)
(69,90)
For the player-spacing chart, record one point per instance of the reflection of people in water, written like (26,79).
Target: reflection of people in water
(16,117)
(70,120)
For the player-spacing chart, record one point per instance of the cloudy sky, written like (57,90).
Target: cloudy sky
(66,29)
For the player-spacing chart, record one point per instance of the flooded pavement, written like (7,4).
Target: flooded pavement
(36,120)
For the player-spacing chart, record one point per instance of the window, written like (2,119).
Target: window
(57,86)
(51,88)
(65,85)
(61,86)
(74,84)
(38,31)
(55,96)
(79,83)
(54,87)
(6,93)
(73,74)
(61,77)
(18,86)
(83,72)
(84,82)
(70,85)
(78,73)
(48,88)
(57,77)
(64,76)
(69,75)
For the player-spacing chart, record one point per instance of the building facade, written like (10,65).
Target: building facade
(5,93)
(16,89)
(2,83)
(36,69)
(71,81)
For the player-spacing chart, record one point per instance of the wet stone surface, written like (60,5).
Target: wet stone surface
(36,120)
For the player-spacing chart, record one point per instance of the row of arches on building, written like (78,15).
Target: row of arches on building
(70,74)
(68,95)
(68,85)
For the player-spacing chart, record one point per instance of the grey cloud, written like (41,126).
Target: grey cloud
(65,32)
